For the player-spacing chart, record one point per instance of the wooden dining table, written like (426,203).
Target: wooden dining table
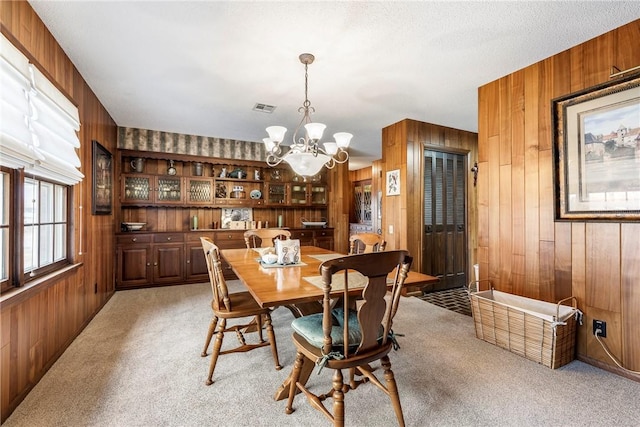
(275,286)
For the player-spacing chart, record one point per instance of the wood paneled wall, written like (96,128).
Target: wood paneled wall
(339,202)
(38,324)
(403,146)
(521,247)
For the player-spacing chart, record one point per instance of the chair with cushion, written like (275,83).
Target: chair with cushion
(238,306)
(264,237)
(366,242)
(351,340)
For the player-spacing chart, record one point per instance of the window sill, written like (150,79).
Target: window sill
(18,295)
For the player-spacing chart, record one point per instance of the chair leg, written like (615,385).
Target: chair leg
(392,389)
(216,350)
(338,399)
(272,340)
(210,332)
(293,378)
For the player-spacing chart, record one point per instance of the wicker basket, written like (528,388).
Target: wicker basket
(539,331)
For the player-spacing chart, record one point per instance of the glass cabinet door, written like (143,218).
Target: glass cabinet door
(200,191)
(318,194)
(276,194)
(136,189)
(169,190)
(298,194)
(366,203)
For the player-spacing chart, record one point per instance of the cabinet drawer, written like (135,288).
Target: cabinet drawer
(301,234)
(230,239)
(168,238)
(323,233)
(133,238)
(305,237)
(194,236)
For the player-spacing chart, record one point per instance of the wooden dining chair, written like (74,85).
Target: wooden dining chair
(239,306)
(264,237)
(366,242)
(351,340)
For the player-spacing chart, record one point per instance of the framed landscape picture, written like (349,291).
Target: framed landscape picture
(597,152)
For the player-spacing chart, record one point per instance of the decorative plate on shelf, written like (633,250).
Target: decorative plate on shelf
(255,194)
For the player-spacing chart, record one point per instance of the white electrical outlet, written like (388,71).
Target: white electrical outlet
(391,229)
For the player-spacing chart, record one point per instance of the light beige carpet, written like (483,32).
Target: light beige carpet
(138,364)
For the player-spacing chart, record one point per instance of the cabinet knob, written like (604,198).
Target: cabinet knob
(148,264)
(155,263)
(188,261)
(135,239)
(168,238)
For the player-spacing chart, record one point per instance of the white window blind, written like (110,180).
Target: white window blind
(38,124)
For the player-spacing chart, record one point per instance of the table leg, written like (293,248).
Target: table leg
(305,308)
(283,391)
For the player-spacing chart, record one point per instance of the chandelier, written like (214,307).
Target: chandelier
(305,155)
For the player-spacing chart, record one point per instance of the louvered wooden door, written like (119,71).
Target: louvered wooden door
(445,227)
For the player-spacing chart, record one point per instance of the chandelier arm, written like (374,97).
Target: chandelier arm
(341,156)
(273,160)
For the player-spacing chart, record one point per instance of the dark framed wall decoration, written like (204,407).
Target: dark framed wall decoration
(596,143)
(102,194)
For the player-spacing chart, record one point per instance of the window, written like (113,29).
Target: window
(38,243)
(45,224)
(5,224)
(38,165)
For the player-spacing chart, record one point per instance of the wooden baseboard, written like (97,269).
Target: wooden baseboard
(610,368)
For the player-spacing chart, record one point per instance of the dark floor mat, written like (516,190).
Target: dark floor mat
(452,299)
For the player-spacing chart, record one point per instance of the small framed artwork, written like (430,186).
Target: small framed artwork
(393,182)
(596,143)
(230,215)
(102,180)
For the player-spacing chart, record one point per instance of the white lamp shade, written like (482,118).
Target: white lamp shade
(331,148)
(269,144)
(343,139)
(276,133)
(306,164)
(315,130)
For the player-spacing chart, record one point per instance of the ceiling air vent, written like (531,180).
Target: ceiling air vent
(264,108)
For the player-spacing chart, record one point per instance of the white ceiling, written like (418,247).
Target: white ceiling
(199,67)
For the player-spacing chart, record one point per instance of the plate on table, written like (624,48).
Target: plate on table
(255,194)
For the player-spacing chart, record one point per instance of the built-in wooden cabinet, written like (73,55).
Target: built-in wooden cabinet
(157,259)
(167,191)
(174,180)
(362,210)
(362,202)
(134,260)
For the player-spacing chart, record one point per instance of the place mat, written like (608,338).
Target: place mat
(326,257)
(276,265)
(356,280)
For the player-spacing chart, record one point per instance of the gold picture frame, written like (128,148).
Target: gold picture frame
(596,142)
